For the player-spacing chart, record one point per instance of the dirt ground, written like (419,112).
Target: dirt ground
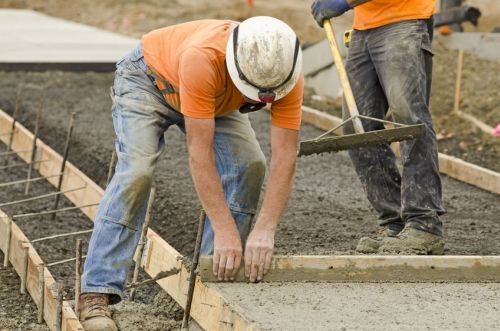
(327,213)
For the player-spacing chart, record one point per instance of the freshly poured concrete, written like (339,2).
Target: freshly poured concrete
(32,40)
(368,306)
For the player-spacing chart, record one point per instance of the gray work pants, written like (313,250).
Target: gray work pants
(390,68)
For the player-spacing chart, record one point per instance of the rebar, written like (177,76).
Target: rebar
(21,164)
(39,197)
(14,120)
(52,211)
(64,261)
(78,276)
(15,152)
(34,147)
(140,247)
(61,235)
(65,158)
(41,290)
(160,275)
(111,167)
(24,274)
(21,181)
(7,248)
(194,266)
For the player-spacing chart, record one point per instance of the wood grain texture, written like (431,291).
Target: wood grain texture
(18,241)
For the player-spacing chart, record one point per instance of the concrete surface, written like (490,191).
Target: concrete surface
(322,306)
(34,41)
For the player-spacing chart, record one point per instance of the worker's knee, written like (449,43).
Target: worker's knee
(126,197)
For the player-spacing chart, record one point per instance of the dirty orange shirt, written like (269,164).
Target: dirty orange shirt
(375,13)
(191,56)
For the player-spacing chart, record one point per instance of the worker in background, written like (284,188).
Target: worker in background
(197,76)
(389,65)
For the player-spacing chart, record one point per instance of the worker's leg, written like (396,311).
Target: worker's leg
(402,53)
(375,166)
(140,118)
(241,166)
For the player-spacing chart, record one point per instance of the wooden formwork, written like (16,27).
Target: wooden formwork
(209,308)
(17,242)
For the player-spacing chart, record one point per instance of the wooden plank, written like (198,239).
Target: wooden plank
(477,123)
(18,239)
(456,168)
(470,173)
(373,268)
(209,308)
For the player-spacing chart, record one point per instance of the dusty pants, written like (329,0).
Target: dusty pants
(390,68)
(140,119)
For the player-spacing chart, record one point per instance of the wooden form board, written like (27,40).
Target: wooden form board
(451,166)
(373,268)
(16,258)
(209,308)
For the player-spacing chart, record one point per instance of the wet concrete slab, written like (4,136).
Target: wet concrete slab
(34,41)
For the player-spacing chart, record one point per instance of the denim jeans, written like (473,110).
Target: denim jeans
(390,68)
(140,118)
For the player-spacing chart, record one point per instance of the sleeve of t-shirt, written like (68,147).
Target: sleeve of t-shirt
(197,84)
(287,112)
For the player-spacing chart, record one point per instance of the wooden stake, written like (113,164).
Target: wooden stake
(33,148)
(41,289)
(7,248)
(65,158)
(59,299)
(24,274)
(78,277)
(458,81)
(142,242)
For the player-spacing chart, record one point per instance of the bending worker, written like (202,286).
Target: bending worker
(197,76)
(389,66)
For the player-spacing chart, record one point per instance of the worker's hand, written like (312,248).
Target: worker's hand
(258,253)
(326,9)
(227,253)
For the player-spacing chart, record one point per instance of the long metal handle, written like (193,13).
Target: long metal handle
(344,81)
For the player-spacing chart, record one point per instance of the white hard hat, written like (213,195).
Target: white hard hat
(264,58)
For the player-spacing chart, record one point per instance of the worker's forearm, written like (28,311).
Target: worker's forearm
(278,190)
(209,188)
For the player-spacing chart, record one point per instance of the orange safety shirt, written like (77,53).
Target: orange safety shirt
(376,13)
(191,57)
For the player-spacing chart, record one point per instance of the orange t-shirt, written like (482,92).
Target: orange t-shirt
(191,56)
(377,13)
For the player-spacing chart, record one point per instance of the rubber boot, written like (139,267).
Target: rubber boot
(412,241)
(368,245)
(94,312)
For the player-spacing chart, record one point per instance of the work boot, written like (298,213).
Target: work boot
(412,241)
(368,245)
(94,312)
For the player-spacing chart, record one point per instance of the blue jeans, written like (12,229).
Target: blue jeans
(140,118)
(390,67)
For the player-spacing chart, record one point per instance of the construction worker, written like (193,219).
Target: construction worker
(389,66)
(197,76)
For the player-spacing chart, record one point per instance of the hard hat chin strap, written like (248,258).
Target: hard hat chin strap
(266,95)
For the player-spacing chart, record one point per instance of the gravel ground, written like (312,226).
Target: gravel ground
(326,215)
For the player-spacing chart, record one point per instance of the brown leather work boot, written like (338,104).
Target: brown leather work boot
(94,312)
(412,241)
